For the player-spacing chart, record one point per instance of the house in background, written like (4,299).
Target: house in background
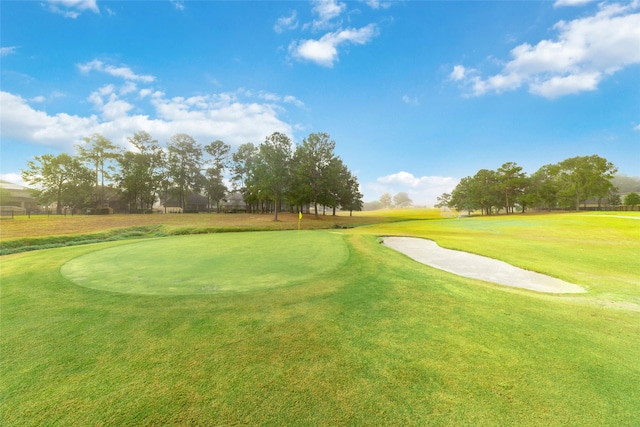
(195,203)
(17,199)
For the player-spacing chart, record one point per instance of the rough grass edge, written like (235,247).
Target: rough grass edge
(50,242)
(129,233)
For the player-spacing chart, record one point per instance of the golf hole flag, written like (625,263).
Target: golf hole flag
(299,219)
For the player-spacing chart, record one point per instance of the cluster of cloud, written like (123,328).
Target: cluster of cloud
(325,50)
(132,104)
(179,4)
(122,72)
(423,190)
(560,3)
(72,8)
(586,51)
(9,50)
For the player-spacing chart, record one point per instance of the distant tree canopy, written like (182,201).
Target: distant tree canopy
(402,200)
(632,199)
(563,185)
(270,177)
(387,201)
(60,179)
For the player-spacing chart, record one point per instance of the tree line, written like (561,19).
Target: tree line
(271,176)
(564,185)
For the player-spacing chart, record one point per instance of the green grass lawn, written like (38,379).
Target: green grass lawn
(209,263)
(376,339)
(599,252)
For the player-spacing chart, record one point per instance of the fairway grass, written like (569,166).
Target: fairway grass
(376,340)
(597,252)
(206,264)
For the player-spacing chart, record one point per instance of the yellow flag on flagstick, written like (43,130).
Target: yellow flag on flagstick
(299,218)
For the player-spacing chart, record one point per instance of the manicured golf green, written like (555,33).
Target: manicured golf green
(376,339)
(205,264)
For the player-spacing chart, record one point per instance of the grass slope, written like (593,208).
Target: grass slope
(379,340)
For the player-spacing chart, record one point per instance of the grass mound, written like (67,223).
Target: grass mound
(204,264)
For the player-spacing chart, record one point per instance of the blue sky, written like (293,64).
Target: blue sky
(416,94)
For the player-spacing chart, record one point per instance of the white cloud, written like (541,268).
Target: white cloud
(459,73)
(586,51)
(128,87)
(206,117)
(290,99)
(637,127)
(115,108)
(559,86)
(560,3)
(14,178)
(271,97)
(122,72)
(19,121)
(72,8)
(377,4)
(325,50)
(286,23)
(326,11)
(422,190)
(410,101)
(145,92)
(179,4)
(9,50)
(52,96)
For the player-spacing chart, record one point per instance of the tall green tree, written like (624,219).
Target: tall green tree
(349,195)
(214,186)
(511,183)
(443,200)
(586,176)
(485,190)
(184,167)
(219,152)
(101,153)
(214,180)
(461,196)
(312,166)
(141,172)
(241,170)
(545,187)
(333,184)
(386,201)
(632,199)
(273,168)
(402,200)
(61,179)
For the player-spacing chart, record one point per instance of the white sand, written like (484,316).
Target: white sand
(477,267)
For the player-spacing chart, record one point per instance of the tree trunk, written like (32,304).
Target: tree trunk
(59,202)
(577,202)
(507,200)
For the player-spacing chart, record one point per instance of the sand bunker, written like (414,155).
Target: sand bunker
(477,267)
